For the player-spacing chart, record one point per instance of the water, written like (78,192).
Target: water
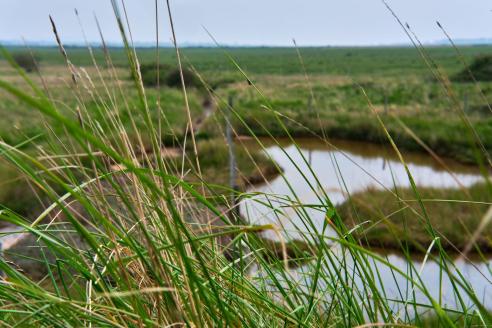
(353,167)
(9,236)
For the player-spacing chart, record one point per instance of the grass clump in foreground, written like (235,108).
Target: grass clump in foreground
(149,231)
(395,218)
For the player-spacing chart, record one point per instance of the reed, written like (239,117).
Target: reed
(132,237)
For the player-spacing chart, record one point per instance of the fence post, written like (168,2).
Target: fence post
(234,214)
(232,159)
(310,110)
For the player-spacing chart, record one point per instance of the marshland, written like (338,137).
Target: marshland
(222,185)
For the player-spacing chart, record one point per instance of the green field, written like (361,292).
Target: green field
(397,81)
(133,236)
(349,61)
(328,103)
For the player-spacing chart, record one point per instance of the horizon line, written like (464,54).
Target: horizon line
(80,44)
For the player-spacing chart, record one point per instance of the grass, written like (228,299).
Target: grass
(445,138)
(480,70)
(158,241)
(394,218)
(17,194)
(410,95)
(353,61)
(459,320)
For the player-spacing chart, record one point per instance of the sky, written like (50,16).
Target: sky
(251,22)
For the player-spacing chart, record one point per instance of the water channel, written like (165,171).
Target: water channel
(314,168)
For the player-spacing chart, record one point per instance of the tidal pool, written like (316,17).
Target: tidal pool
(313,170)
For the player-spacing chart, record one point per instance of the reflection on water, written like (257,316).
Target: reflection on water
(354,167)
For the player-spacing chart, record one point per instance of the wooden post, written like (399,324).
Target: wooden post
(310,110)
(232,158)
(234,215)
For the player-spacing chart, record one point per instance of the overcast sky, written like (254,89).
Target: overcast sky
(252,22)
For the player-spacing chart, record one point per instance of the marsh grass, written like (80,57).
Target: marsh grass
(131,239)
(455,215)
